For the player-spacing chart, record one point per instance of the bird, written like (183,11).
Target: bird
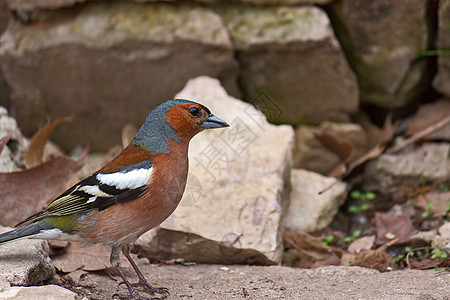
(133,193)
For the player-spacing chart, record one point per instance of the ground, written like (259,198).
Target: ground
(276,282)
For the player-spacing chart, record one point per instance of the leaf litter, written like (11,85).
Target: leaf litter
(390,226)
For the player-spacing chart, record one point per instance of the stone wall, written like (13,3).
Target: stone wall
(108,63)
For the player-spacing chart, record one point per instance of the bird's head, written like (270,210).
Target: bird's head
(176,119)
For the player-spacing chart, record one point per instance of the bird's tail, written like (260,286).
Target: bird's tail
(20,233)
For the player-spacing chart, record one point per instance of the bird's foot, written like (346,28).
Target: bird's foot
(147,288)
(164,292)
(134,296)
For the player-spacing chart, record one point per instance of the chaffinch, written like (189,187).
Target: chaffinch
(130,195)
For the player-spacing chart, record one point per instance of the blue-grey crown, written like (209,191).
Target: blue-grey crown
(154,132)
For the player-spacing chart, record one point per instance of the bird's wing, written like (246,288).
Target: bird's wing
(99,191)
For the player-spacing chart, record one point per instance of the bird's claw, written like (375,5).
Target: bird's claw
(134,297)
(147,288)
(164,292)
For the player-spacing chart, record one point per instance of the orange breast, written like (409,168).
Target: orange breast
(124,222)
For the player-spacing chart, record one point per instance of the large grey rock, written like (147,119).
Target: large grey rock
(286,2)
(308,209)
(289,56)
(30,5)
(107,64)
(25,262)
(311,154)
(442,79)
(4,89)
(429,162)
(46,292)
(231,211)
(11,157)
(444,237)
(382,39)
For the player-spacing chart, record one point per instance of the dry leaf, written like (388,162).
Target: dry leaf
(307,245)
(341,148)
(308,250)
(26,192)
(378,136)
(378,259)
(439,200)
(430,114)
(33,157)
(360,244)
(424,263)
(390,226)
(3,141)
(377,140)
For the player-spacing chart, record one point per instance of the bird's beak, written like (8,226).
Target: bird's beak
(213,122)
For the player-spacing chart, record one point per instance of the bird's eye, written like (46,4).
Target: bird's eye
(194,111)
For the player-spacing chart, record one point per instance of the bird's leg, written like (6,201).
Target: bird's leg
(115,262)
(142,281)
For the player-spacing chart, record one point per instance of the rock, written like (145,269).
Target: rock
(25,262)
(439,239)
(362,243)
(11,157)
(4,284)
(443,240)
(4,89)
(46,292)
(232,208)
(308,210)
(429,162)
(31,5)
(385,64)
(108,64)
(286,2)
(290,58)
(442,80)
(310,154)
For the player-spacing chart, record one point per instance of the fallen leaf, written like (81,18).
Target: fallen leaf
(424,263)
(332,260)
(390,226)
(3,141)
(378,259)
(439,202)
(377,140)
(360,244)
(421,135)
(341,148)
(309,251)
(24,193)
(430,114)
(378,136)
(347,259)
(33,156)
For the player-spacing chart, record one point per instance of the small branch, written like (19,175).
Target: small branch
(420,134)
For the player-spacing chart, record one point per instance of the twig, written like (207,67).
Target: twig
(420,134)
